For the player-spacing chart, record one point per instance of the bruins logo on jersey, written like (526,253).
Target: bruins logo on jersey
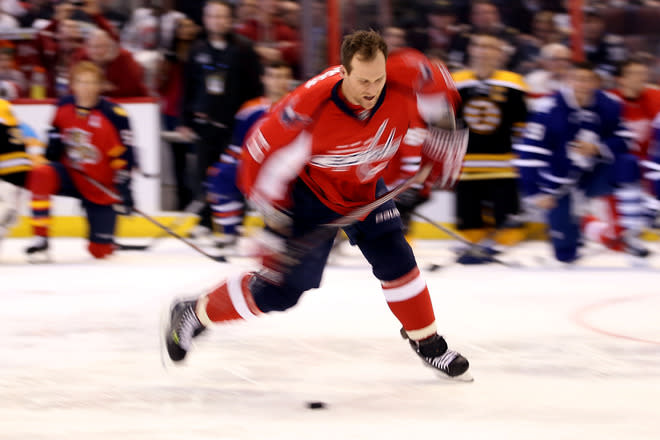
(482,115)
(79,148)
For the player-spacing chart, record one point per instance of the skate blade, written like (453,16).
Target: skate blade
(39,259)
(163,333)
(465,377)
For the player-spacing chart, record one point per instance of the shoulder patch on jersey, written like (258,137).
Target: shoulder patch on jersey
(6,116)
(120,111)
(544,104)
(508,79)
(463,76)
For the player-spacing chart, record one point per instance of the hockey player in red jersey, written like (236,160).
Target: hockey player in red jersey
(641,106)
(90,138)
(319,154)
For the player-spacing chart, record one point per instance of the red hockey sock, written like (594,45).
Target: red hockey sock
(230,301)
(100,250)
(408,298)
(42,181)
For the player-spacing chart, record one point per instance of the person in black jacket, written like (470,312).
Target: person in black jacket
(222,72)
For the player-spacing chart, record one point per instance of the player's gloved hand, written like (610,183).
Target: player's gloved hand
(410,199)
(445,149)
(123,184)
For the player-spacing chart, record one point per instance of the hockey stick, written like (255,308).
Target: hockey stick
(479,250)
(110,193)
(193,208)
(298,247)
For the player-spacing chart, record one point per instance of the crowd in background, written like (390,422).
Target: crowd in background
(146,48)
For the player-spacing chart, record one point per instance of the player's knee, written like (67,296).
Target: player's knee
(100,250)
(42,179)
(390,255)
(272,298)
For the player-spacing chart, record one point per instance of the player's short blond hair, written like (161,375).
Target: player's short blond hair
(87,67)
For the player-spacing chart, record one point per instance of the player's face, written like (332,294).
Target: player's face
(365,82)
(485,52)
(276,82)
(217,19)
(634,79)
(86,87)
(584,83)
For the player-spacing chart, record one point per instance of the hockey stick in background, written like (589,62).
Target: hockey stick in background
(479,250)
(193,208)
(110,193)
(297,247)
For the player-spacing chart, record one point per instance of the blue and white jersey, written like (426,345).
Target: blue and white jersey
(245,118)
(545,160)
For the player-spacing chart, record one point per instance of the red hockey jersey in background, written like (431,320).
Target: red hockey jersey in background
(95,141)
(338,152)
(638,114)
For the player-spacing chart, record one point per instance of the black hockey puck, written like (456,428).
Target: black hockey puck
(316,405)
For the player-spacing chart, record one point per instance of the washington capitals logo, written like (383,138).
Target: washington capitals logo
(292,119)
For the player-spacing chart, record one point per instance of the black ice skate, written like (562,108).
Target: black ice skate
(434,353)
(183,327)
(633,245)
(37,252)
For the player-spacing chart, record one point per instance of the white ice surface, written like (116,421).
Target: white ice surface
(555,353)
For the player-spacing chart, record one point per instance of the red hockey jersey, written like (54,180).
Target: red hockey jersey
(94,141)
(339,153)
(638,115)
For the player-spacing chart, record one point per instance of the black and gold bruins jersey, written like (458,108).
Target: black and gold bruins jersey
(14,161)
(494,110)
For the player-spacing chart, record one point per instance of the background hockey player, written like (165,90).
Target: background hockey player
(494,109)
(641,106)
(90,137)
(227,202)
(14,166)
(577,140)
(319,154)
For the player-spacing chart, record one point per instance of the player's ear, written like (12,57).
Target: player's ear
(343,72)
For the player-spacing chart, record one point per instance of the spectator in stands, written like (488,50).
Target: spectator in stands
(170,88)
(440,31)
(246,11)
(12,80)
(395,38)
(151,26)
(603,50)
(274,40)
(222,72)
(61,39)
(115,17)
(37,12)
(485,17)
(124,76)
(7,20)
(290,12)
(544,32)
